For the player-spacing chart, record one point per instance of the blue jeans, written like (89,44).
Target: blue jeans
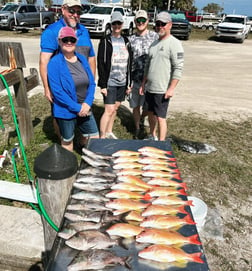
(87,126)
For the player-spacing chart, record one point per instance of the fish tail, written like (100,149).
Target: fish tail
(182,192)
(194,239)
(196,257)
(189,220)
(147,197)
(183,185)
(182,210)
(169,152)
(190,203)
(176,176)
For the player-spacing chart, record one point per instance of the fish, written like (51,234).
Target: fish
(166,237)
(160,167)
(149,160)
(78,216)
(163,210)
(126,204)
(125,230)
(165,191)
(155,155)
(129,187)
(126,159)
(171,200)
(86,195)
(159,174)
(124,194)
(92,187)
(95,179)
(97,172)
(167,254)
(166,182)
(133,172)
(87,206)
(127,165)
(125,153)
(95,163)
(134,216)
(94,239)
(95,259)
(166,221)
(154,150)
(94,155)
(134,180)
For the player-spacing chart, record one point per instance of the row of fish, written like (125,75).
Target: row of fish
(139,198)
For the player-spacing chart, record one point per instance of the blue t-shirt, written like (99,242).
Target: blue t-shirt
(49,39)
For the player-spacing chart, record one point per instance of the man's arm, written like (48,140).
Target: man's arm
(43,61)
(92,63)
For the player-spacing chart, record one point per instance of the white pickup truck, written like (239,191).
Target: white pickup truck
(98,19)
(235,27)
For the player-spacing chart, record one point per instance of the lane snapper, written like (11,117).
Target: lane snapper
(125,230)
(129,187)
(167,254)
(166,221)
(127,165)
(165,191)
(160,167)
(171,200)
(163,210)
(149,160)
(154,150)
(161,174)
(126,204)
(134,180)
(134,172)
(124,194)
(126,159)
(166,182)
(134,216)
(166,237)
(125,153)
(155,155)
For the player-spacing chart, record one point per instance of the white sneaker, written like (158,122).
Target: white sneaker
(111,136)
(151,137)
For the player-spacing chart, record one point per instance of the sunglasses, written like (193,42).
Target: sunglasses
(73,11)
(141,20)
(160,24)
(117,23)
(69,39)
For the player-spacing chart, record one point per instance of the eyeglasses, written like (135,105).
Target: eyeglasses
(117,23)
(159,24)
(73,11)
(69,39)
(141,20)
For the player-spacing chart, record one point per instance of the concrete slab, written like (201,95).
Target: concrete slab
(21,238)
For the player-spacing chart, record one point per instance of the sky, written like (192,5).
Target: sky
(243,7)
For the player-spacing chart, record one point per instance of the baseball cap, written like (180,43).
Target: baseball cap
(141,14)
(71,3)
(66,32)
(116,17)
(164,17)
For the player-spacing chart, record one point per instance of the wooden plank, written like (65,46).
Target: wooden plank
(11,78)
(17,191)
(32,80)
(18,53)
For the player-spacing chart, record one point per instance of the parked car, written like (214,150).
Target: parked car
(234,27)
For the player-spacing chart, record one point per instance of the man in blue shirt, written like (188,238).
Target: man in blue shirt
(71,11)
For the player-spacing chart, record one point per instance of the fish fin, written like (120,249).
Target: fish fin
(189,220)
(196,257)
(172,165)
(182,192)
(190,203)
(147,197)
(176,176)
(182,210)
(194,239)
(127,263)
(169,152)
(183,185)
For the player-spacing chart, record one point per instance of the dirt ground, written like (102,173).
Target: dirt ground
(216,83)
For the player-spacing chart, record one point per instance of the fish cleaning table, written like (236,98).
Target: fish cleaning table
(62,255)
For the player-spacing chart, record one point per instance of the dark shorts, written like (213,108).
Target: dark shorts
(157,104)
(114,94)
(87,126)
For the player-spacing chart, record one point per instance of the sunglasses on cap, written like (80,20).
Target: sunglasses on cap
(141,20)
(117,23)
(159,24)
(69,39)
(73,11)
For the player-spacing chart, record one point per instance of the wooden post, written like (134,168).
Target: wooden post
(56,169)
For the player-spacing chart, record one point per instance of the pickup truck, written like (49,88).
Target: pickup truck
(24,16)
(98,19)
(236,27)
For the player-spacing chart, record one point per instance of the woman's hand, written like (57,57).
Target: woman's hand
(85,109)
(104,91)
